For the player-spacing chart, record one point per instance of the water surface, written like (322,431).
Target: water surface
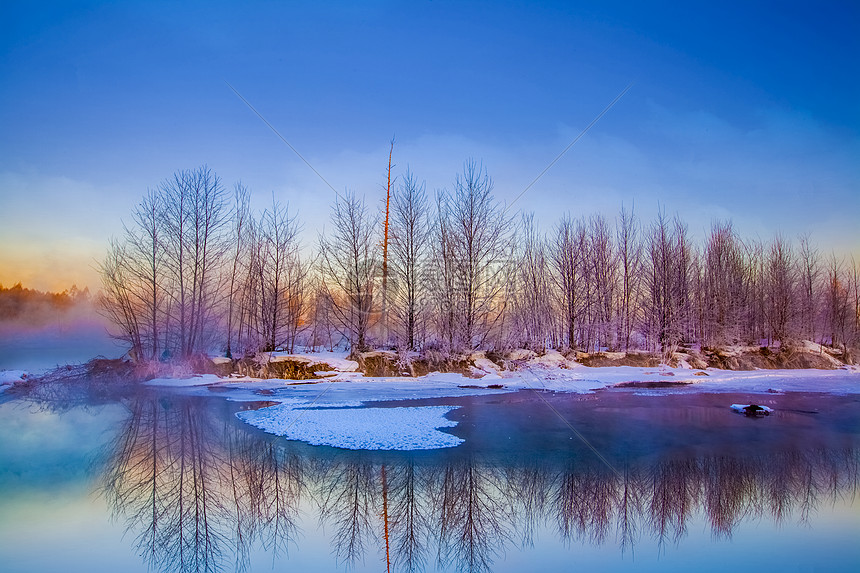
(153,480)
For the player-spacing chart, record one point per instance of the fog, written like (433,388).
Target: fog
(39,331)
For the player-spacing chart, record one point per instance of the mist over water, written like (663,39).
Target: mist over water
(39,336)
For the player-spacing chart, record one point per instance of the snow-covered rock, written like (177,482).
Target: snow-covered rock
(336,360)
(9,378)
(521,354)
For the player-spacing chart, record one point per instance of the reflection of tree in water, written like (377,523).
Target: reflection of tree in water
(164,478)
(528,488)
(584,501)
(192,489)
(474,515)
(673,489)
(348,491)
(408,511)
(197,489)
(265,486)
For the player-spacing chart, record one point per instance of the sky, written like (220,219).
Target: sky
(736,110)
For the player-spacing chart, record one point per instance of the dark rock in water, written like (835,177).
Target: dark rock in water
(752,410)
(755,410)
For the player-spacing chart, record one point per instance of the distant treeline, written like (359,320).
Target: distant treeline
(196,270)
(18,303)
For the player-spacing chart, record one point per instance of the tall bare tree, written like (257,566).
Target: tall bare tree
(118,300)
(279,270)
(837,299)
(410,230)
(195,218)
(723,286)
(808,275)
(534,312)
(477,237)
(781,282)
(603,268)
(568,253)
(240,223)
(348,263)
(629,250)
(667,314)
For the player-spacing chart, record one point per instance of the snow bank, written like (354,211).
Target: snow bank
(405,428)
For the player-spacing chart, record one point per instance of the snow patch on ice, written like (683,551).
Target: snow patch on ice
(404,428)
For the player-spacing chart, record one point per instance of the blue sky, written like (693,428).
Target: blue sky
(748,111)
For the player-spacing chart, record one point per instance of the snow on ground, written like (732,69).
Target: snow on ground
(405,428)
(679,380)
(8,378)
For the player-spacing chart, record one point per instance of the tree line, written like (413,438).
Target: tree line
(197,270)
(18,303)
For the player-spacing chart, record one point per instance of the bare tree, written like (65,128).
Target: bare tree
(838,302)
(667,310)
(629,261)
(755,317)
(723,286)
(133,274)
(602,266)
(807,259)
(781,280)
(348,261)
(444,277)
(195,216)
(323,325)
(240,223)
(533,303)
(410,232)
(568,252)
(279,268)
(477,240)
(854,296)
(118,301)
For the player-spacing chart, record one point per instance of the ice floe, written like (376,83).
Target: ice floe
(402,428)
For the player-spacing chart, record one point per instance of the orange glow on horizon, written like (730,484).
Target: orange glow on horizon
(50,268)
